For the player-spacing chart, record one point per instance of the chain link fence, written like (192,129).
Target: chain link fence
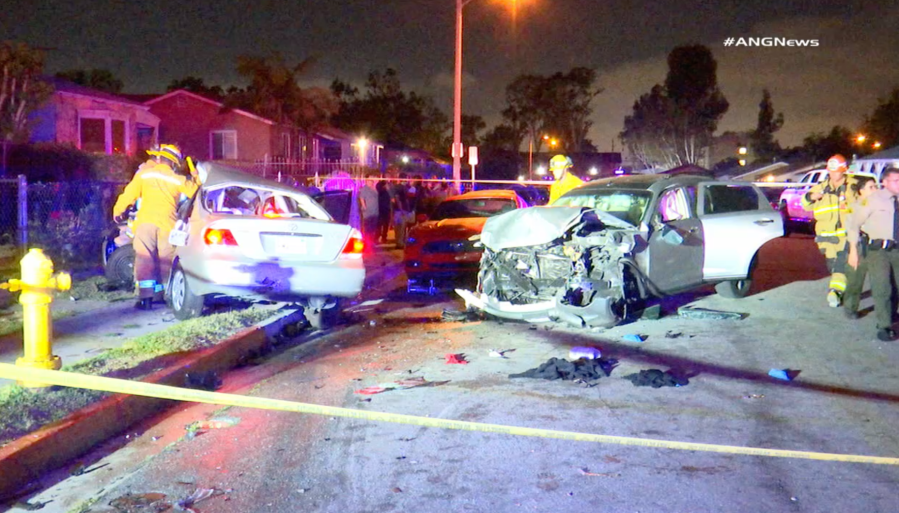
(68,220)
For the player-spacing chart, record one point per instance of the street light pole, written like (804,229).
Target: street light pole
(457,97)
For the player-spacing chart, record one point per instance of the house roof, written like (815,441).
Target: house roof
(195,96)
(887,154)
(66,87)
(687,169)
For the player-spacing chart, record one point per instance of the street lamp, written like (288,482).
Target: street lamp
(363,144)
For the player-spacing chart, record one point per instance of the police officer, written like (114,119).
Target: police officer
(160,183)
(561,165)
(829,201)
(879,218)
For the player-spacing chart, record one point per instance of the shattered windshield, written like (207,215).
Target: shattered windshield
(629,206)
(485,207)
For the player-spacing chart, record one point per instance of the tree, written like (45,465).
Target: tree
(761,140)
(883,124)
(387,113)
(503,137)
(471,125)
(819,146)
(198,86)
(673,124)
(100,79)
(21,92)
(275,94)
(558,104)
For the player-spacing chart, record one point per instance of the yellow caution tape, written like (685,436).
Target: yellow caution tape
(122,386)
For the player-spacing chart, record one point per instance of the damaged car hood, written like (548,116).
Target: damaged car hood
(538,225)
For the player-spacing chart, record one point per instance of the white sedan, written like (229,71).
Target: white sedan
(254,239)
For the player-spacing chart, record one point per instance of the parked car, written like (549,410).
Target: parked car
(440,247)
(253,239)
(603,249)
(790,202)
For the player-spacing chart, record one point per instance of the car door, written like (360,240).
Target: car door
(337,203)
(736,220)
(675,242)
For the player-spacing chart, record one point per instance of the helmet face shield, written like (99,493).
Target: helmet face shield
(559,164)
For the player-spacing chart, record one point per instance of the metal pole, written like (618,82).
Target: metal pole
(23,212)
(531,158)
(457,98)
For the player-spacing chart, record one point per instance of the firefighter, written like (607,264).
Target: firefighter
(159,184)
(564,179)
(830,201)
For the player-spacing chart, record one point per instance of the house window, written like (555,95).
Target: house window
(93,135)
(285,145)
(118,136)
(224,145)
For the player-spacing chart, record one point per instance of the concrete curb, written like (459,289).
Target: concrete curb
(25,460)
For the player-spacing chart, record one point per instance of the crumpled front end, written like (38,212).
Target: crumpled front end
(579,277)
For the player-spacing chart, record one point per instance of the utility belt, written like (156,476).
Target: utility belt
(883,245)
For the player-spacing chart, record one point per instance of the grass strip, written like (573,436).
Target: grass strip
(23,410)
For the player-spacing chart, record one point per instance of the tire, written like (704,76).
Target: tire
(785,215)
(120,266)
(323,318)
(737,289)
(184,303)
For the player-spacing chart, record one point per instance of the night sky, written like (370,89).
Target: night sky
(147,44)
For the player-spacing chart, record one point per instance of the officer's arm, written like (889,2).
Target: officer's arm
(854,223)
(807,201)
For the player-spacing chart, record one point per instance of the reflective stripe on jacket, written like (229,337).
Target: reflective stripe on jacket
(159,189)
(832,210)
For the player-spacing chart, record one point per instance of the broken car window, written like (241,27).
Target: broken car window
(457,209)
(629,206)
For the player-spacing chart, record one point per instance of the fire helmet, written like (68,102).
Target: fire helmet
(836,162)
(560,162)
(169,152)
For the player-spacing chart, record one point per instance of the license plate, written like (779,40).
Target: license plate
(291,245)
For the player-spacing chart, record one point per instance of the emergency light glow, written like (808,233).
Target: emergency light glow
(219,237)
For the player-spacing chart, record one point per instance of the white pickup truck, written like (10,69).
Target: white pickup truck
(790,204)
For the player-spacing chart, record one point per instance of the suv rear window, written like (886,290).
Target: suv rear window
(721,199)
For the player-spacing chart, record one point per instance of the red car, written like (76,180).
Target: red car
(439,247)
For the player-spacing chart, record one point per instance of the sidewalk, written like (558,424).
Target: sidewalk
(89,327)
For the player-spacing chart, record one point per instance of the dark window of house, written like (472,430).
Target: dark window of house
(224,145)
(118,136)
(721,199)
(144,138)
(93,135)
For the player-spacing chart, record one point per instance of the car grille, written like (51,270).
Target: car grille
(449,246)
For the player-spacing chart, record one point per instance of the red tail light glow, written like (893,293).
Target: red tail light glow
(219,237)
(354,246)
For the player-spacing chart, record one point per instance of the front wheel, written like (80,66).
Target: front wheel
(120,266)
(185,304)
(323,318)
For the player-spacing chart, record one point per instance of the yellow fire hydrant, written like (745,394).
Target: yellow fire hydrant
(37,285)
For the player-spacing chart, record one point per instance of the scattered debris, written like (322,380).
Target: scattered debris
(373,390)
(401,384)
(82,469)
(651,313)
(706,314)
(450,315)
(673,334)
(406,439)
(583,370)
(200,494)
(371,302)
(201,426)
(499,353)
(655,378)
(633,337)
(131,503)
(397,489)
(31,506)
(754,396)
(458,358)
(783,374)
(578,352)
(209,381)
(586,472)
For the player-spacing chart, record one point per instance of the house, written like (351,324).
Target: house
(208,130)
(93,121)
(876,162)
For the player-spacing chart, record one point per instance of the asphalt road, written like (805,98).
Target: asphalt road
(844,400)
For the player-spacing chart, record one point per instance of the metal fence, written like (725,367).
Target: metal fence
(68,220)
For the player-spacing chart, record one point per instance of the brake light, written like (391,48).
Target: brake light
(219,237)
(354,246)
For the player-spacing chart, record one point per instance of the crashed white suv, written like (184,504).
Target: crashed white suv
(602,249)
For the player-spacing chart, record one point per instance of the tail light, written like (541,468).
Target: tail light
(354,246)
(219,237)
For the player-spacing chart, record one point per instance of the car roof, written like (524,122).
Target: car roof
(639,182)
(485,194)
(218,174)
